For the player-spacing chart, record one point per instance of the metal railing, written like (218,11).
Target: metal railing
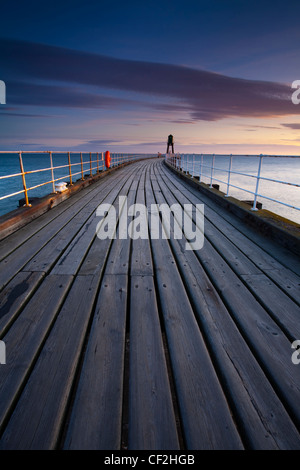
(194,165)
(95,164)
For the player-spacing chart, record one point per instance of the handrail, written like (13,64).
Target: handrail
(116,160)
(186,163)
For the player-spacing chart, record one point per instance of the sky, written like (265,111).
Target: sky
(123,75)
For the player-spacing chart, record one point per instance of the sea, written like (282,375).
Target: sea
(283,169)
(10,165)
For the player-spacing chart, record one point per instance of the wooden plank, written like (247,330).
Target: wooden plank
(15,295)
(285,312)
(253,398)
(118,262)
(207,423)
(25,339)
(152,424)
(278,252)
(50,254)
(141,258)
(261,417)
(19,257)
(229,226)
(96,415)
(71,260)
(270,345)
(287,281)
(95,259)
(36,422)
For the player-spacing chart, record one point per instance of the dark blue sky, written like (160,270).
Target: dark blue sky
(86,74)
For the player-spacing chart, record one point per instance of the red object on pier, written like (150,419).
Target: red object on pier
(107,159)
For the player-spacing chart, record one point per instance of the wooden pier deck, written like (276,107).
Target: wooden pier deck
(139,344)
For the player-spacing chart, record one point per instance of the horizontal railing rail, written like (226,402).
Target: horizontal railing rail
(194,165)
(95,162)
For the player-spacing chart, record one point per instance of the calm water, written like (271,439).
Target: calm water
(283,169)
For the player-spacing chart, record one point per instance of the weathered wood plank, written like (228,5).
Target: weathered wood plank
(36,422)
(270,295)
(15,295)
(52,251)
(276,251)
(96,417)
(262,419)
(118,262)
(65,222)
(282,309)
(152,423)
(98,251)
(70,261)
(269,343)
(19,257)
(228,225)
(141,258)
(25,339)
(207,423)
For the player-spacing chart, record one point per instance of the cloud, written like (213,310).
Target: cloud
(292,125)
(27,115)
(104,142)
(33,94)
(68,74)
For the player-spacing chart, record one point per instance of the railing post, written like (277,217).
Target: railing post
(82,177)
(91,171)
(97,162)
(257,182)
(200,169)
(70,170)
(193,165)
(229,174)
(212,171)
(24,180)
(52,171)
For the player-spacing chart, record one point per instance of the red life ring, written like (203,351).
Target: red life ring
(107,159)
